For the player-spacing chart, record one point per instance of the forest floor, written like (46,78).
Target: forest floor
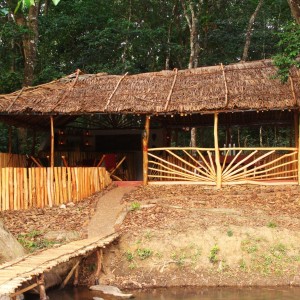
(183,235)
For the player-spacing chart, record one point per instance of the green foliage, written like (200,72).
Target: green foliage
(213,255)
(135,206)
(289,50)
(229,233)
(179,259)
(129,255)
(33,241)
(272,224)
(144,253)
(243,265)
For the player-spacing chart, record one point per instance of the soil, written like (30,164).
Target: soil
(188,235)
(195,235)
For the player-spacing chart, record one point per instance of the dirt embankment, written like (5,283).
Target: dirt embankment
(193,235)
(184,235)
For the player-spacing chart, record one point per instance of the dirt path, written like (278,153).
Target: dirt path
(108,209)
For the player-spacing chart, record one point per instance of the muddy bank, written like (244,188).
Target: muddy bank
(183,235)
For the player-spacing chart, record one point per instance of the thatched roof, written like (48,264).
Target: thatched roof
(242,86)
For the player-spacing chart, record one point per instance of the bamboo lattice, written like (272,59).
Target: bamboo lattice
(238,165)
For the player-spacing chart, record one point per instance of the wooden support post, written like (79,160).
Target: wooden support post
(297,140)
(42,289)
(52,142)
(51,162)
(99,265)
(75,267)
(145,150)
(217,152)
(76,276)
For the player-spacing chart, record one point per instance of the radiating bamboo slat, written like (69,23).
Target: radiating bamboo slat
(252,165)
(23,188)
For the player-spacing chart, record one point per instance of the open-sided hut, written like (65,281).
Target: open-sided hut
(165,104)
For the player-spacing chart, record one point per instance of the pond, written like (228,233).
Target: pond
(262,293)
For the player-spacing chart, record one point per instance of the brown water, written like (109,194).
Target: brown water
(282,293)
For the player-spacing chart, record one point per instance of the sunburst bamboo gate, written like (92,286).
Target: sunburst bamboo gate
(238,165)
(23,188)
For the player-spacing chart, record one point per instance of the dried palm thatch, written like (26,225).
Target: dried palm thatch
(242,86)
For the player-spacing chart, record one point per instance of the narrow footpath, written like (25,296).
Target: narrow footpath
(109,209)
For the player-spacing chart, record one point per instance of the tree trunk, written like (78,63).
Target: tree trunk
(295,9)
(192,12)
(29,39)
(249,30)
(167,63)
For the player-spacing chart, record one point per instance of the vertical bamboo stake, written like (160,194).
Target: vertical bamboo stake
(217,153)
(51,161)
(145,150)
(298,144)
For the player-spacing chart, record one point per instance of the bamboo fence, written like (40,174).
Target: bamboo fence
(12,160)
(238,165)
(23,188)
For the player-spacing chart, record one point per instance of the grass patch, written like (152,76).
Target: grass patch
(135,206)
(229,233)
(144,253)
(33,241)
(213,254)
(272,224)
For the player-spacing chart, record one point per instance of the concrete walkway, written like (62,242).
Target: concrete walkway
(108,209)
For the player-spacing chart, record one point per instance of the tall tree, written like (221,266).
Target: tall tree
(249,30)
(295,9)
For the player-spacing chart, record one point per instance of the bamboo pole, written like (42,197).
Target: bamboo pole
(51,162)
(217,153)
(145,150)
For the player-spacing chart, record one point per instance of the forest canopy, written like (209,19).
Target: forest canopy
(41,40)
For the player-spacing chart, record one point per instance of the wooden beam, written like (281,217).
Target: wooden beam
(145,150)
(63,284)
(28,288)
(217,153)
(171,91)
(114,91)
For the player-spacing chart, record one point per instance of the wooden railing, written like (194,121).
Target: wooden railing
(23,188)
(238,165)
(12,160)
